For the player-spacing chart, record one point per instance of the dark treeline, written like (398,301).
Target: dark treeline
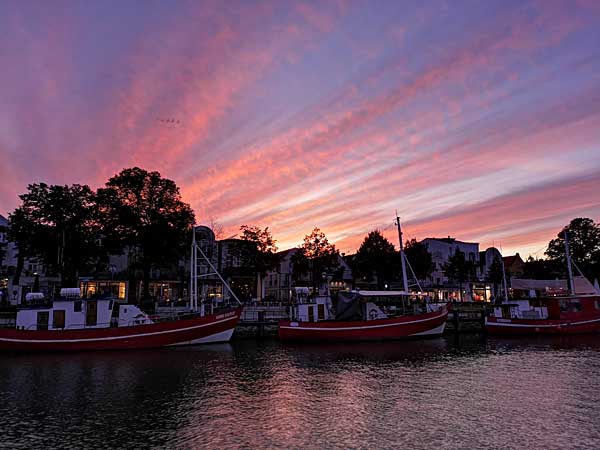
(73,229)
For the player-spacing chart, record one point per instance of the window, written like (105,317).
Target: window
(575,306)
(77,306)
(42,320)
(91,313)
(58,318)
(597,304)
(564,305)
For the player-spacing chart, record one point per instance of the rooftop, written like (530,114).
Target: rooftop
(449,240)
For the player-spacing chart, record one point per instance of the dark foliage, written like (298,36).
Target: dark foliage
(58,225)
(459,269)
(376,259)
(144,213)
(315,257)
(420,259)
(584,243)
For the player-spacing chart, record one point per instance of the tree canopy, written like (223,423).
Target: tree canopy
(315,257)
(261,256)
(459,269)
(419,258)
(144,211)
(376,259)
(543,269)
(58,225)
(495,274)
(584,244)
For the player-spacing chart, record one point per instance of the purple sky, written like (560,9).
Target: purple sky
(479,120)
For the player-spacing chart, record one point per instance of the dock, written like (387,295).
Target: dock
(466,317)
(261,320)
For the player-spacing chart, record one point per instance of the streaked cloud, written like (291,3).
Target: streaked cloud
(474,120)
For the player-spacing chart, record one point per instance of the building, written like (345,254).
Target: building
(439,287)
(486,259)
(234,267)
(514,265)
(280,281)
(441,249)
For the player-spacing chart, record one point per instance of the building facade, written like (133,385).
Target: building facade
(280,281)
(441,249)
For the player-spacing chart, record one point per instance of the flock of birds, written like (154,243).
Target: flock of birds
(169,120)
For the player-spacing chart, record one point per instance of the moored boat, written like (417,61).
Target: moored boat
(70,323)
(363,316)
(574,314)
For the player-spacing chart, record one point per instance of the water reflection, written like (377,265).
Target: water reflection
(440,393)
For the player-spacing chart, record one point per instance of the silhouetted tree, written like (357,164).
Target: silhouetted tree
(63,229)
(22,231)
(584,243)
(420,259)
(315,256)
(495,274)
(144,212)
(543,269)
(3,229)
(376,259)
(261,256)
(459,269)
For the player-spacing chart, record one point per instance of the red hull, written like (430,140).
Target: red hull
(582,325)
(212,328)
(422,325)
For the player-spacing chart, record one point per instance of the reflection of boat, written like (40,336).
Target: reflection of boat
(363,316)
(71,323)
(545,341)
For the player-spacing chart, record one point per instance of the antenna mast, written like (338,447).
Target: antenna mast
(402,256)
(194,274)
(569,264)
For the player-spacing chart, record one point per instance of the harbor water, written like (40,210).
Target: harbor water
(443,393)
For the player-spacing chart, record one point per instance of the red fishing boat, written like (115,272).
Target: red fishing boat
(363,316)
(70,323)
(553,315)
(575,310)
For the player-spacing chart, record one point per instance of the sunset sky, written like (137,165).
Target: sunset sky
(479,120)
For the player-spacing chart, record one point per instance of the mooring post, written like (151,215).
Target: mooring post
(455,320)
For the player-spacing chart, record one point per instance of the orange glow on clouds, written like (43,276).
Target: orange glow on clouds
(328,114)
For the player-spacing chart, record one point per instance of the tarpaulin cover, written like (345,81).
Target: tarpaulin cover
(348,306)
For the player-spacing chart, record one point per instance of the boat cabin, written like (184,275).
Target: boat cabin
(306,309)
(356,305)
(547,308)
(71,312)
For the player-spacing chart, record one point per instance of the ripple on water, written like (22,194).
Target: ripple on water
(441,394)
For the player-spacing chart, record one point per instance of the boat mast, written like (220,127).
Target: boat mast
(402,256)
(569,263)
(194,274)
(504,279)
